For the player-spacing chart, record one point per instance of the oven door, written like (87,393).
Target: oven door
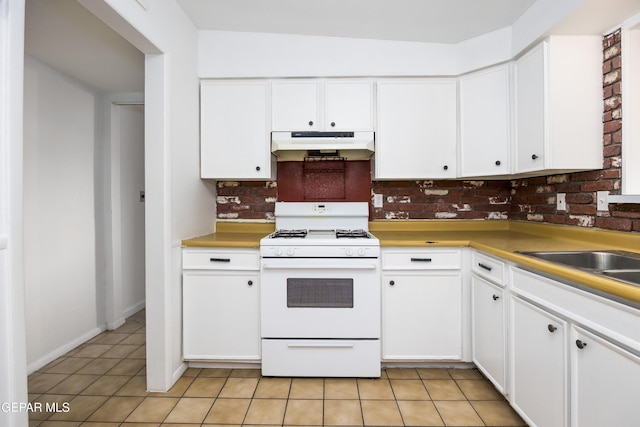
(320,298)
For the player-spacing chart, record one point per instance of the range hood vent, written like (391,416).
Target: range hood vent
(300,145)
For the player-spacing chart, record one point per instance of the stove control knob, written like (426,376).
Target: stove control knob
(277,251)
(291,251)
(361,252)
(348,252)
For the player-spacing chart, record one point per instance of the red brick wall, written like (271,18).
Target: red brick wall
(443,199)
(531,199)
(246,200)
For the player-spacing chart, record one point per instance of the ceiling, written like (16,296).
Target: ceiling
(437,21)
(64,35)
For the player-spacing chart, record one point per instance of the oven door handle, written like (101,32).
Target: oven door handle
(309,344)
(315,267)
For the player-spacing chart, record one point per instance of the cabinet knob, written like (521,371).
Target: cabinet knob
(257,168)
(534,156)
(445,167)
(495,297)
(391,282)
(580,344)
(498,162)
(551,328)
(310,122)
(250,283)
(333,124)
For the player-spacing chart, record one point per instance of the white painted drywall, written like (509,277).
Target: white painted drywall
(130,249)
(13,370)
(60,134)
(236,54)
(243,54)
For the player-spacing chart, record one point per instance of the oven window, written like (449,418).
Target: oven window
(321,293)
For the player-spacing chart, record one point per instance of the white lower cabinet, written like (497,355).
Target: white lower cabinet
(488,330)
(221,305)
(569,367)
(421,305)
(539,371)
(605,382)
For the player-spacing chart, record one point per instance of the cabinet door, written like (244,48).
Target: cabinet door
(296,105)
(422,316)
(605,382)
(348,105)
(488,330)
(530,74)
(485,132)
(416,134)
(235,139)
(221,313)
(539,372)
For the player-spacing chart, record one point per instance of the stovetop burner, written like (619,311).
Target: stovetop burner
(289,234)
(352,234)
(337,234)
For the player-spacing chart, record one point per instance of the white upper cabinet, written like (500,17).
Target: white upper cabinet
(485,122)
(295,105)
(234,129)
(416,133)
(558,97)
(322,105)
(349,105)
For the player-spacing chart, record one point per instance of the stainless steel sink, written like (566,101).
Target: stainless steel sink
(629,276)
(619,265)
(592,260)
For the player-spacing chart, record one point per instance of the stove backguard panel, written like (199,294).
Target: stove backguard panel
(325,180)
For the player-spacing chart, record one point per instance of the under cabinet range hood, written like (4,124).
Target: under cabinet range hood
(300,145)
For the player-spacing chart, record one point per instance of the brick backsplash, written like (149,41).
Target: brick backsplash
(529,199)
(246,200)
(443,199)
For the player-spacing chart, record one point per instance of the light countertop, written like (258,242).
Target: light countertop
(505,238)
(232,235)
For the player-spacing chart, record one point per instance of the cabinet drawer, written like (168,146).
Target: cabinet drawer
(208,259)
(421,260)
(321,358)
(489,268)
(609,318)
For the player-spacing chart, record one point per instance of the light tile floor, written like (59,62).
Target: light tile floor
(102,384)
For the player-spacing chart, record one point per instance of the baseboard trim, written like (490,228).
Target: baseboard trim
(63,349)
(133,309)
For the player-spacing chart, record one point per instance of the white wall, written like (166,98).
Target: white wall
(237,54)
(13,371)
(130,221)
(60,135)
(241,54)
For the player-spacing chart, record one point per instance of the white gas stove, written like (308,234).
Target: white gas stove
(320,292)
(338,229)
